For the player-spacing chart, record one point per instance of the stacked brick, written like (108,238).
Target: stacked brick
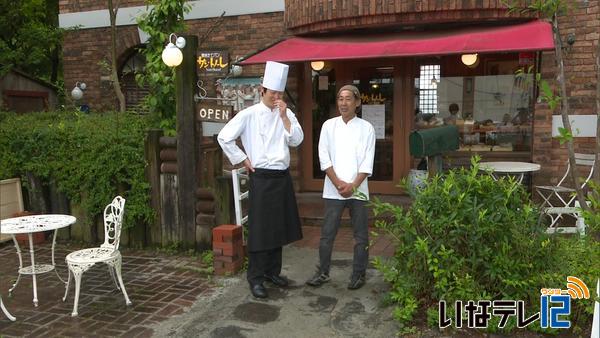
(228,249)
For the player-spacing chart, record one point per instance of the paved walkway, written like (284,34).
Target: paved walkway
(173,296)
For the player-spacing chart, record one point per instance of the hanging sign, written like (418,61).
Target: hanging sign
(214,62)
(210,112)
(526,58)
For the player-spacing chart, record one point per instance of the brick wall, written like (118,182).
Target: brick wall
(83,53)
(306,16)
(85,49)
(241,35)
(583,21)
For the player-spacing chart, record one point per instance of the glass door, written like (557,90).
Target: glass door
(382,88)
(376,85)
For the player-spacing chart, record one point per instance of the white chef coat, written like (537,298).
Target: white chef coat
(265,139)
(350,149)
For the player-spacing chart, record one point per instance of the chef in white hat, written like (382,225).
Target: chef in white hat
(267,130)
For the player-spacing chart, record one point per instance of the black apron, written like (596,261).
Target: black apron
(273,219)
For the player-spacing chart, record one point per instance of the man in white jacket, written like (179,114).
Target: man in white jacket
(267,130)
(346,153)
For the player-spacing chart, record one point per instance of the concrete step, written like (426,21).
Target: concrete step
(311,207)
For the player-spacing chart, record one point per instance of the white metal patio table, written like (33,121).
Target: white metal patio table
(516,169)
(29,225)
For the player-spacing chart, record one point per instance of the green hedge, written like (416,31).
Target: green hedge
(95,155)
(469,237)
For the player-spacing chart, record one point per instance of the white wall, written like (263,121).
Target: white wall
(201,9)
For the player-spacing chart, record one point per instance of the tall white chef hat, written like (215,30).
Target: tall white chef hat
(275,76)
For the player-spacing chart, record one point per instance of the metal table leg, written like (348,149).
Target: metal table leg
(32,254)
(18,248)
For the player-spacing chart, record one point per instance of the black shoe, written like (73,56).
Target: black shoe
(318,279)
(258,291)
(277,280)
(357,281)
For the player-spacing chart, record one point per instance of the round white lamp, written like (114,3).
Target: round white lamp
(171,55)
(77,92)
(236,70)
(470,60)
(317,65)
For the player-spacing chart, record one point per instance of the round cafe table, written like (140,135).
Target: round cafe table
(516,169)
(29,225)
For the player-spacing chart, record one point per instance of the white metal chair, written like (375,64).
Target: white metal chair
(239,176)
(555,212)
(562,196)
(80,261)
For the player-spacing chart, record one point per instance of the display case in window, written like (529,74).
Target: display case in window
(493,113)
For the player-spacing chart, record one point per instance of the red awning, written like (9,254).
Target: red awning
(530,36)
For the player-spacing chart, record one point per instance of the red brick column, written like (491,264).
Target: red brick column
(228,249)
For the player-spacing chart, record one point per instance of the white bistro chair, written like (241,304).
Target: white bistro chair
(558,200)
(80,261)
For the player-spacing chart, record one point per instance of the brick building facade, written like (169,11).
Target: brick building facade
(251,26)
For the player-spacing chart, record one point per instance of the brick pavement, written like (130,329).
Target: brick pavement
(158,284)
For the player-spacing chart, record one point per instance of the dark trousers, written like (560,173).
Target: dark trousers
(261,263)
(331,224)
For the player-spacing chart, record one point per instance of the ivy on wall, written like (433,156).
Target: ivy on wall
(97,156)
(164,18)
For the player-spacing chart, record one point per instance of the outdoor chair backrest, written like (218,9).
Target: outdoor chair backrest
(586,160)
(113,222)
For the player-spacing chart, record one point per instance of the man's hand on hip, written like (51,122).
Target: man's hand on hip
(248,165)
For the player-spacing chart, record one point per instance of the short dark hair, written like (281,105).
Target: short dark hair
(453,107)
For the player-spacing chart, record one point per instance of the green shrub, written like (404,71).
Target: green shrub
(469,237)
(96,155)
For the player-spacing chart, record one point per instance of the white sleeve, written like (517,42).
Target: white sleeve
(366,166)
(227,136)
(324,156)
(295,136)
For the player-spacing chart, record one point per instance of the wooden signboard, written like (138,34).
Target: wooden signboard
(213,62)
(211,112)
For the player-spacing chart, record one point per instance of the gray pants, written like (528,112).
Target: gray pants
(331,224)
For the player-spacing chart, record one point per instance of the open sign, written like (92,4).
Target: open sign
(214,112)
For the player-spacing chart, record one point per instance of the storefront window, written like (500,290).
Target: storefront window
(493,111)
(429,76)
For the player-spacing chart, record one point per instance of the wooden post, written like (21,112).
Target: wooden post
(152,150)
(224,209)
(187,147)
(434,165)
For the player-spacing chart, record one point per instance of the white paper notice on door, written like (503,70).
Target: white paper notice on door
(375,114)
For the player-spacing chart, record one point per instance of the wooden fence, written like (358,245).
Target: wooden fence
(213,200)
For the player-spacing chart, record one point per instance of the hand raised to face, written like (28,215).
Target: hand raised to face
(282,106)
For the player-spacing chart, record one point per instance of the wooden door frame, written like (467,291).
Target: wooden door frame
(402,120)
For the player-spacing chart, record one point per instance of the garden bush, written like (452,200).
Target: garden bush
(95,155)
(469,237)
